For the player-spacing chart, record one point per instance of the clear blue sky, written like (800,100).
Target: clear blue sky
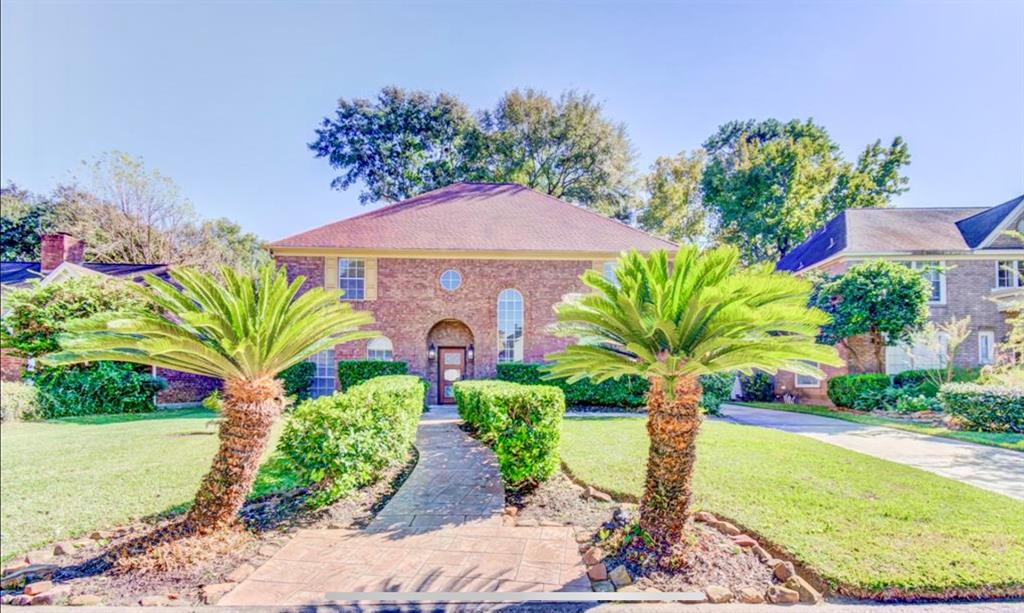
(224,97)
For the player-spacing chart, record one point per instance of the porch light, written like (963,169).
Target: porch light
(469,352)
(431,352)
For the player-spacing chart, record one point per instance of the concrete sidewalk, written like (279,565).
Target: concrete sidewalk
(990,468)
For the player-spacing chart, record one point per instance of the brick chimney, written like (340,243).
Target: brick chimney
(55,249)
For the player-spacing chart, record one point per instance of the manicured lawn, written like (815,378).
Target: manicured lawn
(863,524)
(65,478)
(1006,440)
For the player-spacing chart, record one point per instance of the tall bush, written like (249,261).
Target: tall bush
(354,372)
(298,380)
(94,389)
(523,423)
(716,389)
(923,381)
(342,442)
(626,391)
(758,387)
(850,391)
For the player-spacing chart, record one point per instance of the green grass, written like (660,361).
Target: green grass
(863,524)
(1006,440)
(65,478)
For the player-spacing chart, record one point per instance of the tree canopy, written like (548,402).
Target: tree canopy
(674,207)
(771,184)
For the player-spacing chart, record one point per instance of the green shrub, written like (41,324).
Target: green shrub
(758,387)
(989,408)
(915,403)
(717,389)
(342,442)
(627,391)
(18,401)
(845,390)
(884,399)
(922,381)
(298,380)
(212,401)
(354,372)
(98,388)
(523,423)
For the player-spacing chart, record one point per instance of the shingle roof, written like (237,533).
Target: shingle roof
(16,273)
(479,217)
(907,230)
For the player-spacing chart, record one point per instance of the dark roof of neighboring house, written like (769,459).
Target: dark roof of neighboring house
(479,217)
(907,230)
(977,227)
(16,273)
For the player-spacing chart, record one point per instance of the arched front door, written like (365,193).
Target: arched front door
(449,341)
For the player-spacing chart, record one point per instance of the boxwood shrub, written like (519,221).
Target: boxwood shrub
(342,442)
(522,423)
(354,372)
(852,391)
(990,408)
(97,388)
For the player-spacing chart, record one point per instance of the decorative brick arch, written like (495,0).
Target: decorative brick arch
(447,332)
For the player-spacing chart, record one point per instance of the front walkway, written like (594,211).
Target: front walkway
(442,532)
(990,468)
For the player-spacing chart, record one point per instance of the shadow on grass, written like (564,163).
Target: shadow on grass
(197,413)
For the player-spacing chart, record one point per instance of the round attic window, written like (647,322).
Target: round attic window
(451,280)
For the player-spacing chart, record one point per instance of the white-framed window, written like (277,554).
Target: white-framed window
(451,280)
(1009,273)
(323,380)
(608,270)
(933,273)
(917,356)
(380,348)
(986,347)
(510,326)
(807,380)
(352,278)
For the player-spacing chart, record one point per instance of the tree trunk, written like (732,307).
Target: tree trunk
(249,410)
(879,346)
(672,422)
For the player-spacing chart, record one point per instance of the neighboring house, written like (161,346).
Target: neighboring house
(62,257)
(458,279)
(974,267)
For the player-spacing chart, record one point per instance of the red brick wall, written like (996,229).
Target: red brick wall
(10,366)
(309,267)
(411,302)
(55,249)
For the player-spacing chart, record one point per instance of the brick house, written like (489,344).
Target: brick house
(460,278)
(61,257)
(974,267)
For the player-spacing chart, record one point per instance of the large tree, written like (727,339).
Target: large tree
(771,184)
(24,217)
(885,300)
(241,329)
(407,142)
(671,323)
(673,207)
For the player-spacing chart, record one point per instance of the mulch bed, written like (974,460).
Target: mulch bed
(94,567)
(560,500)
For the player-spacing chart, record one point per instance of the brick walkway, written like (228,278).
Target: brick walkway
(442,532)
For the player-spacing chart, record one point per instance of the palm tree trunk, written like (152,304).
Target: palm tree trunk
(672,423)
(249,411)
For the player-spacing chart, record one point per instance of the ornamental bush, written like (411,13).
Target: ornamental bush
(717,389)
(922,381)
(989,408)
(354,372)
(298,380)
(522,423)
(628,391)
(342,442)
(849,391)
(18,401)
(95,389)
(758,387)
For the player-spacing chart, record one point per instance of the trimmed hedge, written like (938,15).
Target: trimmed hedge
(342,442)
(298,380)
(522,423)
(919,380)
(354,372)
(849,391)
(99,388)
(626,391)
(629,391)
(989,408)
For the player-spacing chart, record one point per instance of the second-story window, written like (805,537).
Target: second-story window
(510,326)
(1009,273)
(933,273)
(352,278)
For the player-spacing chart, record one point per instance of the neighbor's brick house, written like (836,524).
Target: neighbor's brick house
(460,278)
(62,256)
(974,267)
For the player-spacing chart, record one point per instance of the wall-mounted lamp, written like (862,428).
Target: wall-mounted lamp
(469,352)
(431,352)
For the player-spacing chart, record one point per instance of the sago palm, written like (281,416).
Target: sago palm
(241,329)
(672,323)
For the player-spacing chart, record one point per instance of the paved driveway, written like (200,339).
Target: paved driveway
(990,468)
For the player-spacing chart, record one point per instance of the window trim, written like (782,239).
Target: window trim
(941,264)
(497,327)
(991,358)
(332,368)
(1016,280)
(796,379)
(345,296)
